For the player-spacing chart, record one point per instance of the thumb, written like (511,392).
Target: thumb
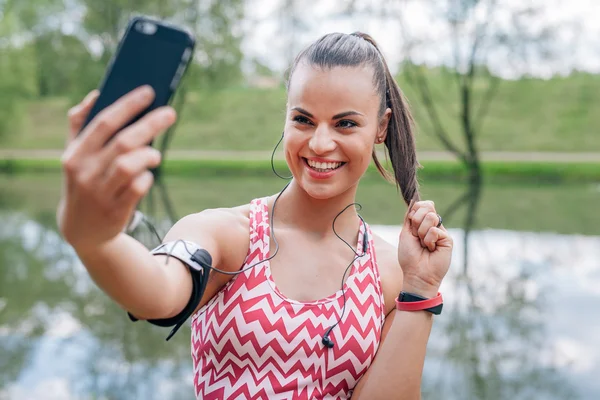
(406,224)
(79,113)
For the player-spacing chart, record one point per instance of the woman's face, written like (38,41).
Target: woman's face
(332,124)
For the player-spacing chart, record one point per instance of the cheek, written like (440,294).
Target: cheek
(362,153)
(291,144)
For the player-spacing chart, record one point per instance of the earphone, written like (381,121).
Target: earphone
(326,340)
(139,217)
(285,178)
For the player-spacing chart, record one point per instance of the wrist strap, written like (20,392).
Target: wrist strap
(414,302)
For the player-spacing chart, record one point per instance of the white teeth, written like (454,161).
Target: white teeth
(325,166)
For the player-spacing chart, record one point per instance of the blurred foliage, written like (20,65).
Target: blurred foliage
(17,83)
(53,52)
(46,52)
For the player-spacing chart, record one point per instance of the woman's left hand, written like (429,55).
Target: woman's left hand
(424,250)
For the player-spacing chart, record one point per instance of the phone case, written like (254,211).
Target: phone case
(151,53)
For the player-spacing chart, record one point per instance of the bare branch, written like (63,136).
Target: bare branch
(452,208)
(480,33)
(420,83)
(484,106)
(457,58)
(468,82)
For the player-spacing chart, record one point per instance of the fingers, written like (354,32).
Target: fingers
(127,167)
(422,218)
(430,221)
(79,113)
(139,134)
(418,213)
(436,238)
(110,120)
(138,188)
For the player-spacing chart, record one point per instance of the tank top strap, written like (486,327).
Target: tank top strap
(374,267)
(259,231)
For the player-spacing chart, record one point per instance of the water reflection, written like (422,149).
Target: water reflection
(470,200)
(518,323)
(59,331)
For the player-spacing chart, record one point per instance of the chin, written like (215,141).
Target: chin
(325,191)
(320,193)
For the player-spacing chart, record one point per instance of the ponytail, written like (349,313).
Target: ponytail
(400,140)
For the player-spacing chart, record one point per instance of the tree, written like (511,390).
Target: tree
(17,63)
(65,67)
(476,32)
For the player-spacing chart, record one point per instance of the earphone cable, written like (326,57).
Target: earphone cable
(273,162)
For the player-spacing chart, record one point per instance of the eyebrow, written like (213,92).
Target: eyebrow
(337,116)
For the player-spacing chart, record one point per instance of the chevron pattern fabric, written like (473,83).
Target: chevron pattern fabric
(251,342)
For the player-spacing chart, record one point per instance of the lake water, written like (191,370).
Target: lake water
(522,323)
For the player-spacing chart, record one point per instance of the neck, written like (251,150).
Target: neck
(295,208)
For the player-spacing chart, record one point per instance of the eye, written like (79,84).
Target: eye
(301,119)
(346,123)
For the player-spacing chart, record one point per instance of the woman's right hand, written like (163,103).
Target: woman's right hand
(105,179)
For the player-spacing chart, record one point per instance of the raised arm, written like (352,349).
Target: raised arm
(157,287)
(423,258)
(104,181)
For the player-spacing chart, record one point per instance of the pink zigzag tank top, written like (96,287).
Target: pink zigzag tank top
(252,342)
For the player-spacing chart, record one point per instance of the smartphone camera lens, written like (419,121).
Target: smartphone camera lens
(145,27)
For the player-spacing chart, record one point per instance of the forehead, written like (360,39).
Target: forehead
(335,89)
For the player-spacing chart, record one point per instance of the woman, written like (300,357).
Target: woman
(281,328)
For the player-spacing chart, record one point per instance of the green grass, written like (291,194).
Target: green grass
(527,115)
(542,207)
(432,171)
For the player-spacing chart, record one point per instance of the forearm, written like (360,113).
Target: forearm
(397,370)
(134,278)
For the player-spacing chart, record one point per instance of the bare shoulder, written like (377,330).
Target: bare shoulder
(224,232)
(218,220)
(389,270)
(222,217)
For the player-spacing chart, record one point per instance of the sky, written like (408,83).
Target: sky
(575,46)
(270,36)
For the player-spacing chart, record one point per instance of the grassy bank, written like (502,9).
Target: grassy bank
(435,171)
(561,208)
(526,115)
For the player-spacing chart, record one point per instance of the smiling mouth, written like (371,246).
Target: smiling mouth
(323,166)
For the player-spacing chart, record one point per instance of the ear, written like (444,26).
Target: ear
(383,126)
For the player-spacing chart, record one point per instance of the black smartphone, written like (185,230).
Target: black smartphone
(150,52)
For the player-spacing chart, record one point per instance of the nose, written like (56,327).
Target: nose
(321,141)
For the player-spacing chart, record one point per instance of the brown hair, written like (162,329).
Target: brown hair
(357,49)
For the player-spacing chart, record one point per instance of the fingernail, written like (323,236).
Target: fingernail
(87,98)
(73,110)
(167,115)
(146,92)
(91,95)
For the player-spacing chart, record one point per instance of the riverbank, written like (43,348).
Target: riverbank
(528,168)
(505,156)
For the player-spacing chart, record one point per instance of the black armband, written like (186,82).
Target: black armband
(199,263)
